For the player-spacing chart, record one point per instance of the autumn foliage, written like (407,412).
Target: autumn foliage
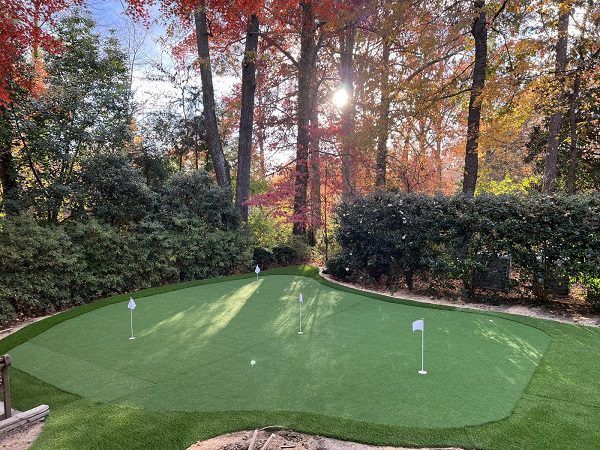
(23,28)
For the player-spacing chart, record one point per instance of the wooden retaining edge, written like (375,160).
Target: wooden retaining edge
(266,446)
(253,440)
(23,418)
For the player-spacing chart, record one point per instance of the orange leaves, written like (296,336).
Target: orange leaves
(22,29)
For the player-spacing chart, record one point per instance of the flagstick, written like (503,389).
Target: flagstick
(300,332)
(132,337)
(422,371)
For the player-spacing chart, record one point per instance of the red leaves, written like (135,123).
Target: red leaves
(22,29)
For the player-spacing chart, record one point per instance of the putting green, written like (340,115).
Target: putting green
(358,357)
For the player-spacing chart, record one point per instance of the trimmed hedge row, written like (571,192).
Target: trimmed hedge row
(549,238)
(44,268)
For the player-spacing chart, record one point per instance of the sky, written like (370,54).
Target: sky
(137,40)
(150,95)
(145,44)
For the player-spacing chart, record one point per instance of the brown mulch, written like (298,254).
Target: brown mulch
(21,438)
(572,309)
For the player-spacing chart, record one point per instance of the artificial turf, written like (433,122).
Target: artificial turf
(188,375)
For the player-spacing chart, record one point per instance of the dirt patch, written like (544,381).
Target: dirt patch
(21,438)
(282,440)
(552,312)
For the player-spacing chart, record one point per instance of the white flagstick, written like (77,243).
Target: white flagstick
(423,371)
(301,300)
(257,271)
(420,325)
(131,305)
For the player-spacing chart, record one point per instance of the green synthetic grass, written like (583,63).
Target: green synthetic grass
(357,359)
(352,375)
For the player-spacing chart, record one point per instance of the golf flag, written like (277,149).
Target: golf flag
(131,305)
(300,301)
(418,325)
(257,271)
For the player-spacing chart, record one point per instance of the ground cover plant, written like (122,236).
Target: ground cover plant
(555,409)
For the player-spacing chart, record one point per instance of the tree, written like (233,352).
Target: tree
(208,100)
(309,47)
(555,121)
(21,30)
(347,41)
(83,110)
(246,117)
(479,32)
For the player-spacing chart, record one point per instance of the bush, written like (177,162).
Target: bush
(593,298)
(40,269)
(285,255)
(338,267)
(195,196)
(113,191)
(593,293)
(45,268)
(301,247)
(7,313)
(402,235)
(264,258)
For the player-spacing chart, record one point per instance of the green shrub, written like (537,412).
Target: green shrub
(45,268)
(593,298)
(40,268)
(549,238)
(7,313)
(338,267)
(113,191)
(195,196)
(264,258)
(285,255)
(592,295)
(301,247)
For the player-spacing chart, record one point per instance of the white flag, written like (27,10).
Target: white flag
(301,299)
(257,270)
(418,325)
(131,304)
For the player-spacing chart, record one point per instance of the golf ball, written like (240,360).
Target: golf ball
(253,362)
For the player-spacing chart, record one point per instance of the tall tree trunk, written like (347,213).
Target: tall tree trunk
(383,126)
(260,135)
(315,171)
(306,69)
(479,32)
(348,112)
(573,147)
(208,100)
(556,119)
(242,190)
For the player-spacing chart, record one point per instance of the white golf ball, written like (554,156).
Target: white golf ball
(253,362)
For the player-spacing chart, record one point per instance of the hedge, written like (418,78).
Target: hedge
(45,268)
(400,236)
